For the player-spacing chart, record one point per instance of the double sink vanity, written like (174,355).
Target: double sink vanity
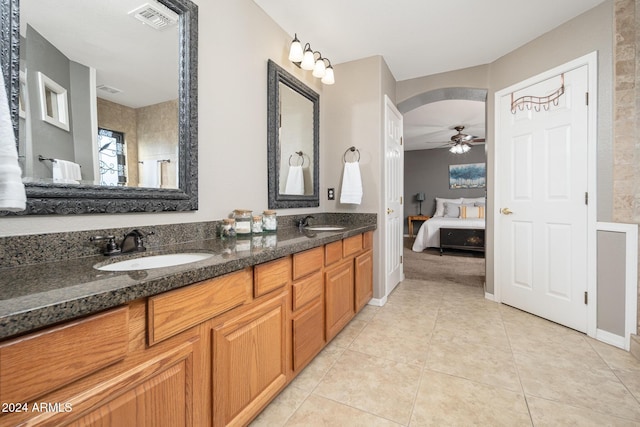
(206,342)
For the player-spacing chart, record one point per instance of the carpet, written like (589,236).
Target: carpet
(462,267)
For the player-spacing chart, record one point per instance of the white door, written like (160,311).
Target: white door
(394,187)
(543,184)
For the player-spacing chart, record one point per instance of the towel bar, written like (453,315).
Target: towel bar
(42,159)
(301,156)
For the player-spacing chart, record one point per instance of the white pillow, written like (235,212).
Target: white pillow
(472,200)
(440,205)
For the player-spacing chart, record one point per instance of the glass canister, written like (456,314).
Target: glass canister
(228,228)
(243,221)
(256,224)
(269,221)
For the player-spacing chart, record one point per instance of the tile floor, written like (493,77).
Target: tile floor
(441,354)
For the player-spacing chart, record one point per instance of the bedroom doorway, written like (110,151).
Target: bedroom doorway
(545,214)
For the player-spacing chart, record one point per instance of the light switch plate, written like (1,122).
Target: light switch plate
(331,193)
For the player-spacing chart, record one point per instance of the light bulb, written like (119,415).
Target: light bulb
(319,68)
(328,78)
(295,51)
(308,60)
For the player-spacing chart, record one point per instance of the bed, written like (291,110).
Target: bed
(429,234)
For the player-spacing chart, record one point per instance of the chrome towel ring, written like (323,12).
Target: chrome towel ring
(355,152)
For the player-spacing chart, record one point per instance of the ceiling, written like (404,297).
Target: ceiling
(102,35)
(423,37)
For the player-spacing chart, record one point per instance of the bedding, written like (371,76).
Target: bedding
(429,234)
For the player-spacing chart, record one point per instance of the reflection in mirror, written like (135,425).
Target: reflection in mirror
(63,53)
(292,141)
(109,88)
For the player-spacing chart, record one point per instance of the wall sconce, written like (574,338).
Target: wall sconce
(307,60)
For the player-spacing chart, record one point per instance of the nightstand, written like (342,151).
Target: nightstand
(410,220)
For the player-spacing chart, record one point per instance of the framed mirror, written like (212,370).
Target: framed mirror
(293,141)
(107,90)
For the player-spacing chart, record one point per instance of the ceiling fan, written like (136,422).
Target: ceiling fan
(460,142)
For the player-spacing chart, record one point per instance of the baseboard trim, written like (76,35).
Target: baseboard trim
(378,302)
(490,297)
(612,339)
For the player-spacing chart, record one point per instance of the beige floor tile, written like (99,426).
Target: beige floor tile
(596,389)
(477,362)
(465,331)
(282,407)
(614,357)
(379,386)
(349,333)
(444,400)
(367,313)
(313,373)
(630,379)
(547,413)
(321,412)
(384,339)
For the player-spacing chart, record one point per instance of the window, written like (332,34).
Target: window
(112,158)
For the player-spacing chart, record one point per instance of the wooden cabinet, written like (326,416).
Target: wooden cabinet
(211,354)
(338,288)
(158,393)
(363,279)
(249,356)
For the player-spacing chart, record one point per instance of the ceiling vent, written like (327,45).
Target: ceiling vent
(109,89)
(156,16)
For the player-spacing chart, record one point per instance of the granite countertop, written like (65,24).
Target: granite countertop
(40,295)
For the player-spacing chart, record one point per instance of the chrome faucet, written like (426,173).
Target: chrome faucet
(304,222)
(132,242)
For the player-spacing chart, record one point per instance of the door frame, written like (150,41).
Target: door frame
(591,61)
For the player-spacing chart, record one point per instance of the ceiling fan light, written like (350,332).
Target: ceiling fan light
(465,148)
(295,51)
(308,60)
(328,78)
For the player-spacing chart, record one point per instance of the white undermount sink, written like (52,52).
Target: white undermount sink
(154,261)
(324,227)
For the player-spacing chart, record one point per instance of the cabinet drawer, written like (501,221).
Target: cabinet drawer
(271,276)
(352,245)
(332,252)
(39,363)
(307,290)
(178,310)
(305,263)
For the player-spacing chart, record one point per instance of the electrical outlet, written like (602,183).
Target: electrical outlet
(331,193)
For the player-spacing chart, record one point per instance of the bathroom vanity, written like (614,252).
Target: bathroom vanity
(213,351)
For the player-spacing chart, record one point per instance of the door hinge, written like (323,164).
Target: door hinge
(586,98)
(586,298)
(400,140)
(401,259)
(586,198)
(400,199)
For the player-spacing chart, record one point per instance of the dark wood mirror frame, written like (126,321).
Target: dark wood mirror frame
(277,75)
(45,199)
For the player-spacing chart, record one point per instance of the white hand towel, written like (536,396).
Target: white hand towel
(295,181)
(351,184)
(12,194)
(149,174)
(66,172)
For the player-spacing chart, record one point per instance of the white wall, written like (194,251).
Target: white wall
(236,38)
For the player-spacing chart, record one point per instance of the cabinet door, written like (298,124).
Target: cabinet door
(249,362)
(159,391)
(364,279)
(308,335)
(338,288)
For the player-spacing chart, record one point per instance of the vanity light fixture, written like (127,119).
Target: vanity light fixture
(306,59)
